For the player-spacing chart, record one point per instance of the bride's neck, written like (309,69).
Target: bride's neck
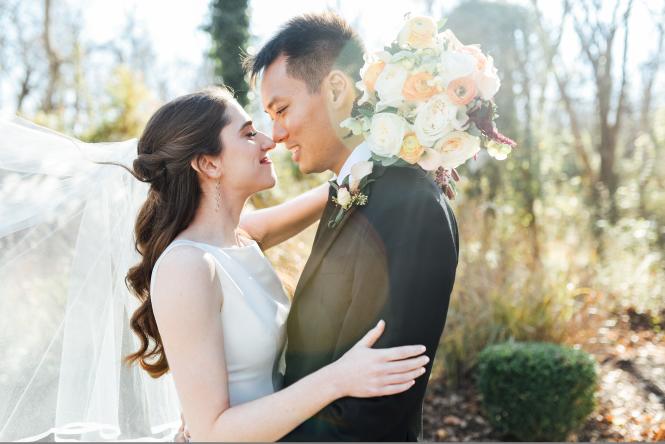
(216,220)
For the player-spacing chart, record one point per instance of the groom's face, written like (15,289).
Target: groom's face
(300,119)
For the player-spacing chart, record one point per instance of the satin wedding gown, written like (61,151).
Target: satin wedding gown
(253,316)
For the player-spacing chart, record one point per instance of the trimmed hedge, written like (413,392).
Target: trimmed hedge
(536,391)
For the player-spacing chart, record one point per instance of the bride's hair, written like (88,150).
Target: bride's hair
(177,133)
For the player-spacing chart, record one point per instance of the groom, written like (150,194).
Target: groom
(393,258)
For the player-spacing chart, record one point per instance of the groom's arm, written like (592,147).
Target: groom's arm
(404,274)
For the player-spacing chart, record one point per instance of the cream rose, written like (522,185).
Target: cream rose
(344,198)
(389,85)
(449,37)
(487,80)
(435,118)
(418,32)
(474,50)
(456,148)
(359,171)
(386,134)
(411,150)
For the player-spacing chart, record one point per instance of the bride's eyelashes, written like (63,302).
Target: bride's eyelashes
(252,134)
(281,110)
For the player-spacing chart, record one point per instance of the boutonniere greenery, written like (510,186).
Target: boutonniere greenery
(352,191)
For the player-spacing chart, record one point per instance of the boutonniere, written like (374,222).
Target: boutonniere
(350,192)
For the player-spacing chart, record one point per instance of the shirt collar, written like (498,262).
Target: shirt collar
(359,154)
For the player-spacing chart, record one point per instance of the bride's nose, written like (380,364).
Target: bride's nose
(268,144)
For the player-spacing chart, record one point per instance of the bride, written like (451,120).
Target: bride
(206,310)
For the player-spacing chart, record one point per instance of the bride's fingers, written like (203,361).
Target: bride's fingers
(373,335)
(404,352)
(407,365)
(396,388)
(401,378)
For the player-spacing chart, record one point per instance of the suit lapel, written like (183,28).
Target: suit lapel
(327,236)
(321,247)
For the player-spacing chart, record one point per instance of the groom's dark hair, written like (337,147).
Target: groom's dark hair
(314,45)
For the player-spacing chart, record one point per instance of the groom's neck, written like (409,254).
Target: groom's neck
(345,149)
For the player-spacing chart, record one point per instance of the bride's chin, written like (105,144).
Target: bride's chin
(268,183)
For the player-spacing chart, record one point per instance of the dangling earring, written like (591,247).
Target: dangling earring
(218,197)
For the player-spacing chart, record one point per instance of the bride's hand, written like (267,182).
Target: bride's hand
(364,372)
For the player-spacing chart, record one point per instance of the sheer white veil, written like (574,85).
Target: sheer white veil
(66,243)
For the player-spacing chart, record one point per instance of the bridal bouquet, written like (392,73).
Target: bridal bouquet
(427,100)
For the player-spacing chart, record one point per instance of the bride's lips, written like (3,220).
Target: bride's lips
(265,160)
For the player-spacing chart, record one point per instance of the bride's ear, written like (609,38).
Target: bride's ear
(338,89)
(207,166)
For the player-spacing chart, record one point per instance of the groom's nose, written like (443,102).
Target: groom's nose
(279,133)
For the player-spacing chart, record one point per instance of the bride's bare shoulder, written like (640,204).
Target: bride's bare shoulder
(185,273)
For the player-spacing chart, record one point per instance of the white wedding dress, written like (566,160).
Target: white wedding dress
(253,316)
(66,243)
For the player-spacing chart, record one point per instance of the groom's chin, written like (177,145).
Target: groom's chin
(309,169)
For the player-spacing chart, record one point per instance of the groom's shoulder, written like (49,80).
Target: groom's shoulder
(402,185)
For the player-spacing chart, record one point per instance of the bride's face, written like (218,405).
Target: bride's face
(244,158)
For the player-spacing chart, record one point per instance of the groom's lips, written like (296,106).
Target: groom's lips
(295,153)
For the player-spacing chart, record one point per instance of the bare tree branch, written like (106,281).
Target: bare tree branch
(551,49)
(624,64)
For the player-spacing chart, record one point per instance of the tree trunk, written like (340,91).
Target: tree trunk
(54,62)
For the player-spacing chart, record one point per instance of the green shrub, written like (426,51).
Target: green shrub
(536,391)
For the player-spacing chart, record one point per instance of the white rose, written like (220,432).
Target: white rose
(435,118)
(456,148)
(418,32)
(451,39)
(389,85)
(359,171)
(344,198)
(487,80)
(386,133)
(455,65)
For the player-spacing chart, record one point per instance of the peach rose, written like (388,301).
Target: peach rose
(411,150)
(462,91)
(417,87)
(372,73)
(418,32)
(475,51)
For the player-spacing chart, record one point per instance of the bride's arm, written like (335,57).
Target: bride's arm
(187,301)
(271,226)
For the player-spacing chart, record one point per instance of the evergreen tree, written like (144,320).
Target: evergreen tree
(229,28)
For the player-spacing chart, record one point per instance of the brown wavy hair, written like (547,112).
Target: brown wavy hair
(178,132)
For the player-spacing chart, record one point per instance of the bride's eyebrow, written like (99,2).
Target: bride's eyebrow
(245,125)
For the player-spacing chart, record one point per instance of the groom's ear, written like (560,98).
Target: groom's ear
(338,89)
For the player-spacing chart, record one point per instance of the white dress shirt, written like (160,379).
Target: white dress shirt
(359,154)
